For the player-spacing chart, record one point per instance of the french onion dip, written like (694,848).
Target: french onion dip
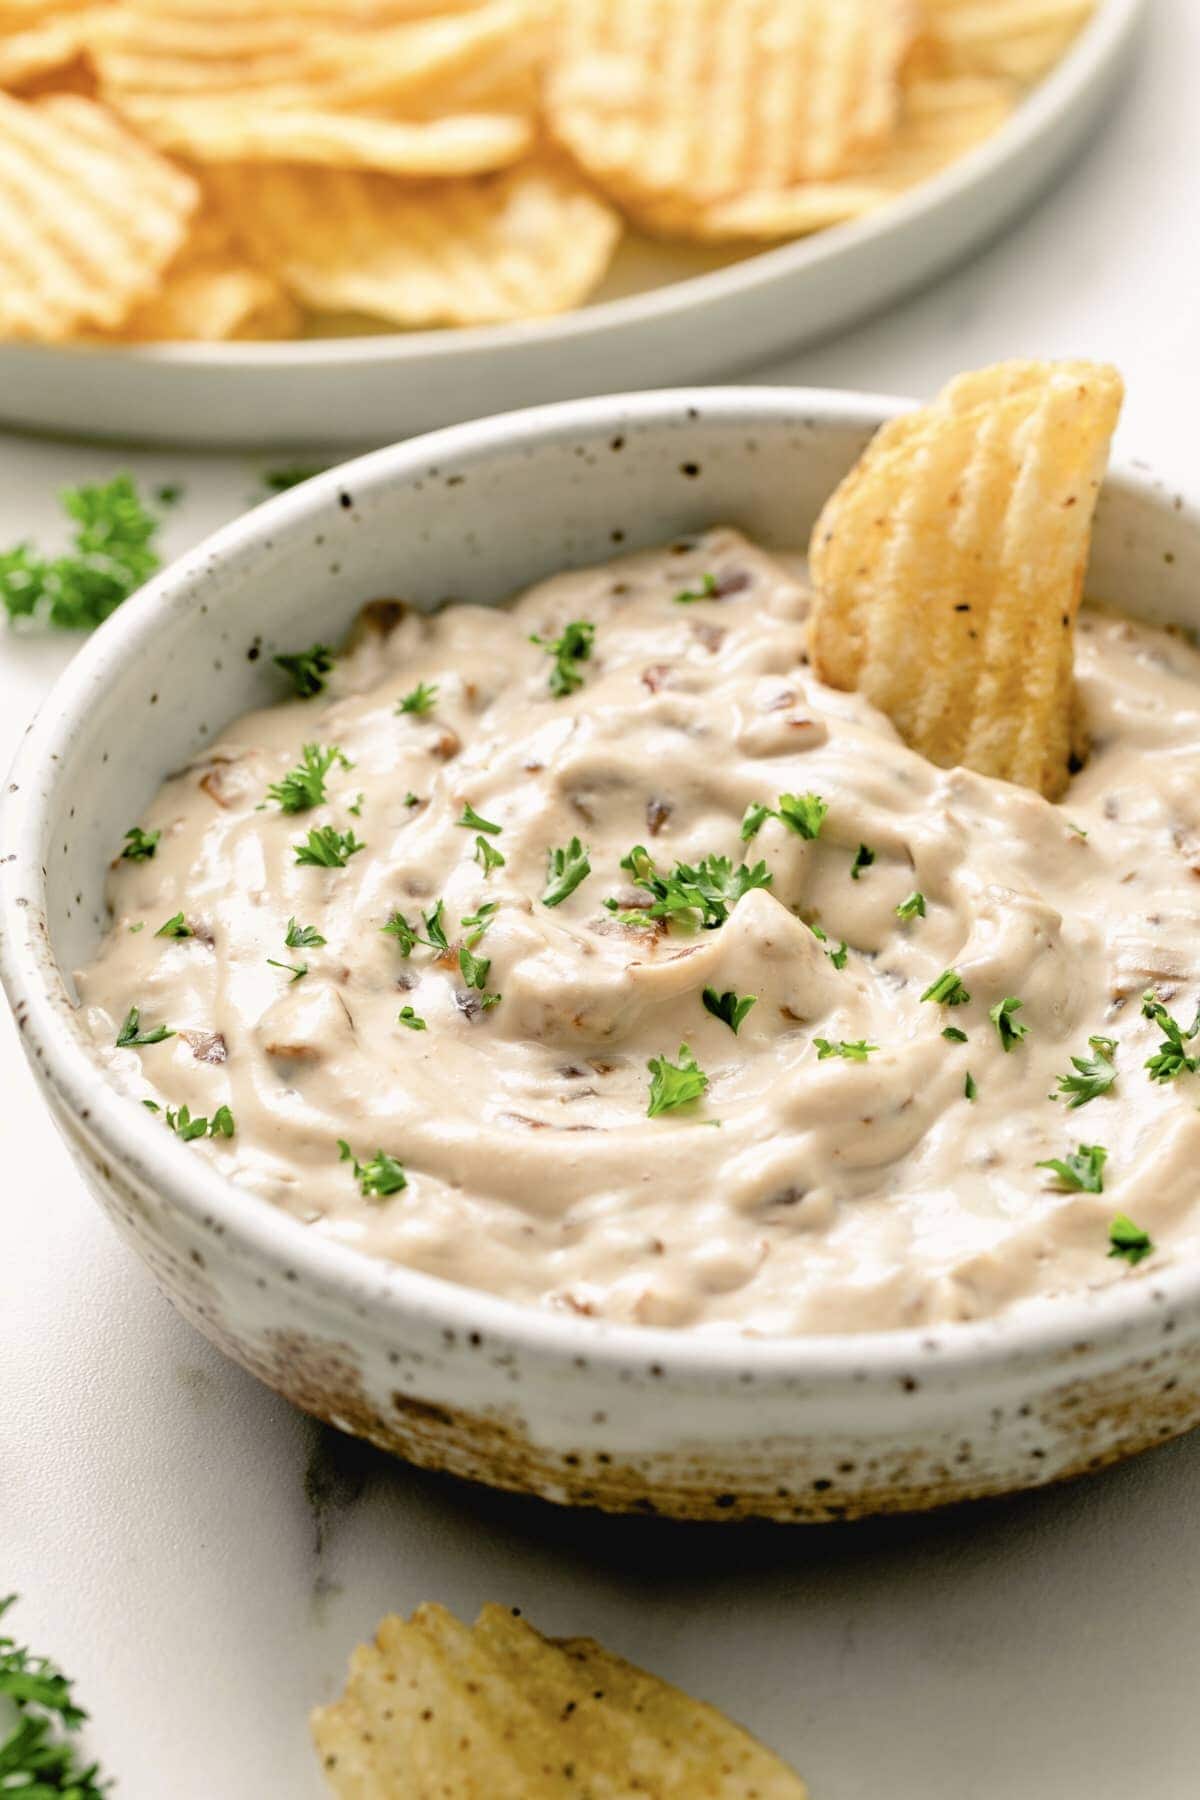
(589,951)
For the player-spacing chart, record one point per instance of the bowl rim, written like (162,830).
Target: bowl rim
(1101,40)
(351,1279)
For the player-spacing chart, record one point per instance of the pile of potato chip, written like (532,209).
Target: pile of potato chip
(437,1710)
(213,169)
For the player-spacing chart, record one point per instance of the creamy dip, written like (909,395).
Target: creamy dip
(891,1182)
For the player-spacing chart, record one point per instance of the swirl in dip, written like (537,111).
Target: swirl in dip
(865,1153)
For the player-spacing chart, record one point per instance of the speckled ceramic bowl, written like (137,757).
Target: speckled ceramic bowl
(639,1420)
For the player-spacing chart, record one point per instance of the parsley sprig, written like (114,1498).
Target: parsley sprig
(175,927)
(1172,1057)
(948,990)
(864,856)
(1094,1075)
(113,552)
(304,786)
(140,845)
(731,1008)
(565,869)
(476,822)
(327,848)
(1009,1028)
(419,700)
(1129,1240)
(573,647)
(837,957)
(706,591)
(302,937)
(307,669)
(674,1084)
(188,1128)
(487,856)
(380,1177)
(36,1763)
(408,937)
(802,813)
(856,1052)
(1083,1170)
(912,908)
(132,1036)
(703,892)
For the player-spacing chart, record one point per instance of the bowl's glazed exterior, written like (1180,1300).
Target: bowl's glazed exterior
(686,1424)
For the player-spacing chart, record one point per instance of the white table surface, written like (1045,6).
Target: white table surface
(203,1558)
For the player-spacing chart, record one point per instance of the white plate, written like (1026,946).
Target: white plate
(668,316)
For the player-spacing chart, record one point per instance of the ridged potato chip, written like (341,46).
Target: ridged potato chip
(434,1710)
(1022,39)
(159,50)
(89,218)
(949,566)
(690,102)
(213,130)
(942,120)
(211,293)
(528,241)
(37,41)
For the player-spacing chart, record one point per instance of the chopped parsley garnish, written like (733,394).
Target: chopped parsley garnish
(1084,1170)
(803,813)
(754,818)
(411,799)
(477,922)
(38,1704)
(955,1035)
(474,822)
(139,926)
(970,1089)
(379,1178)
(278,481)
(407,936)
(565,869)
(188,1128)
(435,929)
(175,927)
(140,845)
(487,856)
(297,970)
(1128,1240)
(302,937)
(706,591)
(169,494)
(419,700)
(729,1007)
(304,787)
(947,990)
(474,968)
(132,1035)
(837,957)
(1010,1029)
(113,553)
(572,648)
(1093,1076)
(709,889)
(674,1084)
(327,848)
(356,805)
(912,908)
(413,1020)
(1172,1057)
(308,669)
(857,1052)
(863,858)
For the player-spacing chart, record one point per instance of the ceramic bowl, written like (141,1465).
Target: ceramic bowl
(689,1425)
(667,313)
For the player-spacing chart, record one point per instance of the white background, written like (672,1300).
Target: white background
(203,1558)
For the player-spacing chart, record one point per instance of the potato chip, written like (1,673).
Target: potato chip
(1022,39)
(690,102)
(33,44)
(211,293)
(89,218)
(949,566)
(257,56)
(942,120)
(213,130)
(434,1710)
(528,241)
